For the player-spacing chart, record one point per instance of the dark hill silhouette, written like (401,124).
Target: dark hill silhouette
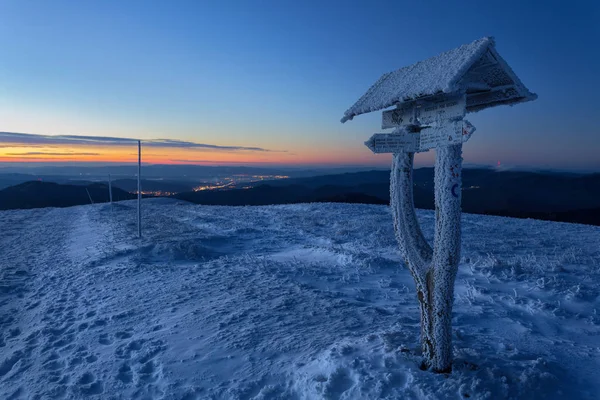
(541,195)
(149,185)
(256,196)
(35,194)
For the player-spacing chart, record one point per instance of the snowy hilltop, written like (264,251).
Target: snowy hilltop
(306,301)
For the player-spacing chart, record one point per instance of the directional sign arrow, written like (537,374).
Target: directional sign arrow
(429,137)
(400,141)
(468,130)
(445,135)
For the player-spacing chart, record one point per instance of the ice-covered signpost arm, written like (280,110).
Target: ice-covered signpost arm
(414,248)
(431,99)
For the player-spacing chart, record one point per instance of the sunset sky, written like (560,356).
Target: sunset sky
(266,82)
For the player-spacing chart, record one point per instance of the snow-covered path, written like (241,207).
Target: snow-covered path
(42,303)
(297,301)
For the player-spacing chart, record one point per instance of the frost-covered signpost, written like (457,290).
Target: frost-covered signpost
(431,99)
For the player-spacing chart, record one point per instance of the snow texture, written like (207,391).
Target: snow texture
(307,301)
(448,73)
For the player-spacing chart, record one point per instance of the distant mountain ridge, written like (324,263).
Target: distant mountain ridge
(172,171)
(484,189)
(543,195)
(552,196)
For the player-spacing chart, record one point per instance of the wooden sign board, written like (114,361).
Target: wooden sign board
(423,112)
(399,117)
(443,110)
(428,138)
(402,141)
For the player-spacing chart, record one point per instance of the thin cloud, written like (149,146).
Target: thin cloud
(10,139)
(192,145)
(224,162)
(43,153)
(37,140)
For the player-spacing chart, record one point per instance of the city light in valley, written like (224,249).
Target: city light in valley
(233,181)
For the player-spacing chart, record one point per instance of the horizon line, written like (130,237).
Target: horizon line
(83,164)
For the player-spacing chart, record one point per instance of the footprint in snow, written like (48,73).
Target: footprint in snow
(86,378)
(91,358)
(123,335)
(142,353)
(7,365)
(88,385)
(339,382)
(153,349)
(124,351)
(75,361)
(53,362)
(32,338)
(14,332)
(99,322)
(149,372)
(125,374)
(105,339)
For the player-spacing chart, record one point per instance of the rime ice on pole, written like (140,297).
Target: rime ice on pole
(431,99)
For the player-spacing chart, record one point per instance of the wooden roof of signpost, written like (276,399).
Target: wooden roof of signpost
(475,69)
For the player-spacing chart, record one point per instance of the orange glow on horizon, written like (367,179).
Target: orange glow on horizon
(24,153)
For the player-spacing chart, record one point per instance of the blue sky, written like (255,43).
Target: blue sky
(279,74)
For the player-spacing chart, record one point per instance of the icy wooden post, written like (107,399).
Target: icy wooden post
(109,190)
(431,99)
(139,189)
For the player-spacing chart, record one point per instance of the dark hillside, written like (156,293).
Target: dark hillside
(35,194)
(541,195)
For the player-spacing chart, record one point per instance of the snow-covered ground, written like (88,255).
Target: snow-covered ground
(305,301)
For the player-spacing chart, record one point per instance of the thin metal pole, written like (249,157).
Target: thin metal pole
(109,189)
(139,208)
(88,192)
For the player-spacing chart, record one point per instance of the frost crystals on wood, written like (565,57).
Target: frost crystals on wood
(434,270)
